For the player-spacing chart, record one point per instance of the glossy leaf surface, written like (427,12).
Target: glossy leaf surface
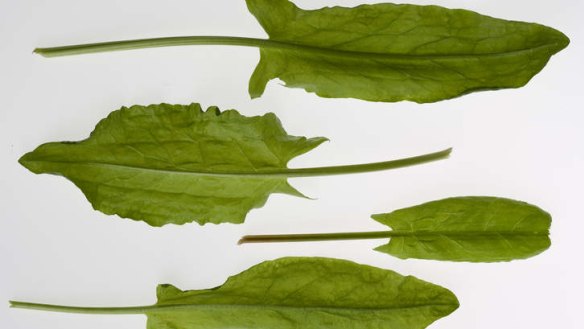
(475,229)
(291,293)
(388,52)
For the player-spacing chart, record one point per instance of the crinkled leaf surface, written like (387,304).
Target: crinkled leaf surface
(291,293)
(157,163)
(475,229)
(387,52)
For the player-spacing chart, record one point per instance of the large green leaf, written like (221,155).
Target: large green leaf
(387,52)
(176,164)
(475,229)
(291,293)
(381,52)
(142,163)
(471,229)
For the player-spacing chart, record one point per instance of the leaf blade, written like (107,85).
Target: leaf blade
(451,52)
(308,292)
(138,163)
(473,229)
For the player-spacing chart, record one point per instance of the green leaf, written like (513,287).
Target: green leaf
(176,164)
(387,52)
(381,52)
(471,229)
(474,229)
(291,293)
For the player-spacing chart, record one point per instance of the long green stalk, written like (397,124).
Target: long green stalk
(316,237)
(359,168)
(163,42)
(77,309)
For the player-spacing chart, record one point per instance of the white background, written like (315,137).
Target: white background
(526,144)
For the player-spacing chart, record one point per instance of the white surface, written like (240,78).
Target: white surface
(526,144)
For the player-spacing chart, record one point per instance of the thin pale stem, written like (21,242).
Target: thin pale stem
(77,309)
(131,309)
(316,237)
(157,43)
(362,168)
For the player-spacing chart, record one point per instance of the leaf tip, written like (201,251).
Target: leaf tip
(454,302)
(26,161)
(564,41)
(565,38)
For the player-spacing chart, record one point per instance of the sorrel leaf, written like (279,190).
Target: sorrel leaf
(471,229)
(290,293)
(380,52)
(176,164)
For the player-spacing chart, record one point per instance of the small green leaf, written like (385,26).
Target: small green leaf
(291,293)
(473,229)
(176,164)
(387,52)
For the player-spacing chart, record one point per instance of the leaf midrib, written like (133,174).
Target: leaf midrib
(178,307)
(275,172)
(182,307)
(265,173)
(468,233)
(406,57)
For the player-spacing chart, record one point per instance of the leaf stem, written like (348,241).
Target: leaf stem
(316,237)
(78,309)
(157,43)
(367,167)
(124,309)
